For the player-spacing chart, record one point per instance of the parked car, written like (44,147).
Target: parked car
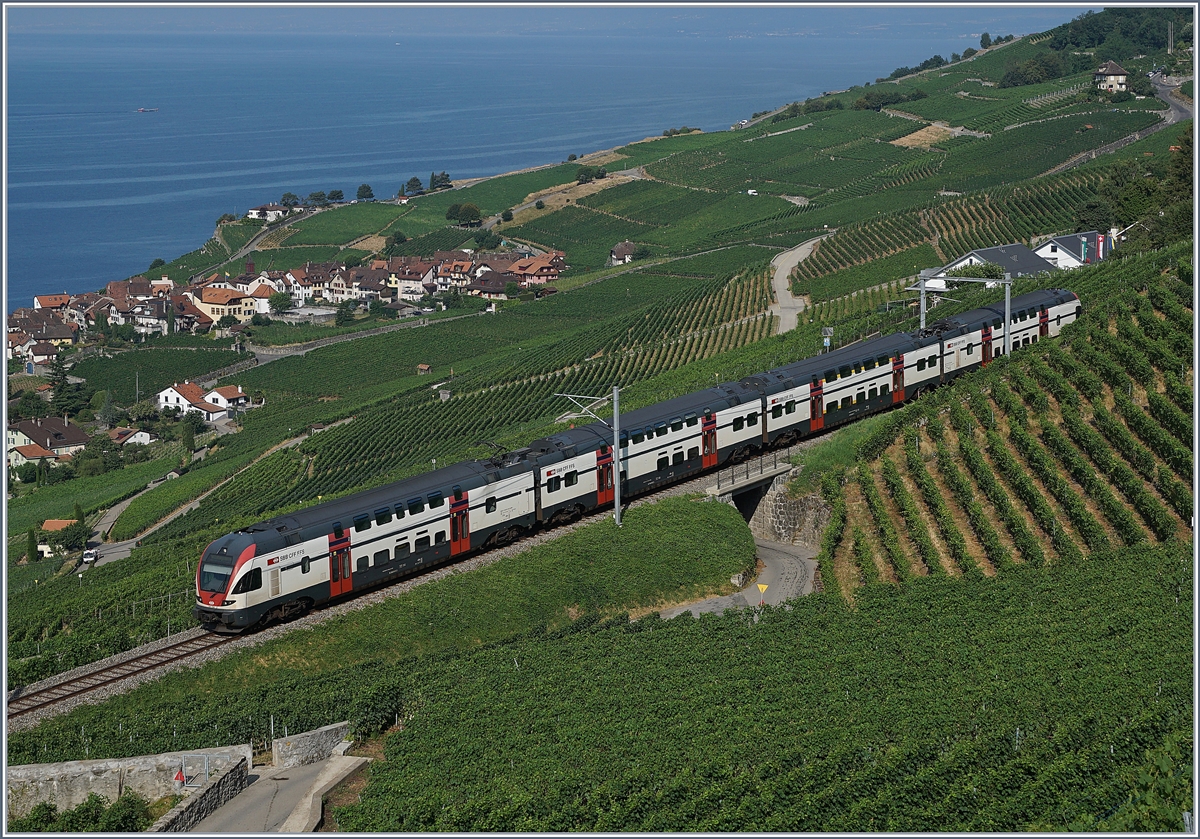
(91,555)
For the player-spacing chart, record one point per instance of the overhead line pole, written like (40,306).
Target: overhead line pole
(615,425)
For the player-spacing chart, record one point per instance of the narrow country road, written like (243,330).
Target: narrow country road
(787,307)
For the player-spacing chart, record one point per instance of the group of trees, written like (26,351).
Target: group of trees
(464,213)
(809,106)
(322,199)
(1041,68)
(986,40)
(683,129)
(1152,199)
(587,174)
(875,100)
(1119,33)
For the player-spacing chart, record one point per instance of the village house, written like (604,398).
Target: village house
(41,353)
(1075,249)
(188,318)
(228,396)
(621,253)
(58,435)
(1016,260)
(1111,77)
(122,436)
(52,302)
(271,212)
(491,285)
(18,345)
(188,397)
(538,270)
(31,453)
(216,303)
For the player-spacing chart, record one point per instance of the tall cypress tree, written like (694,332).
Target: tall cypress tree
(31,551)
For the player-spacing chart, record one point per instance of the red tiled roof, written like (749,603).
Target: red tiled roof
(51,301)
(220,296)
(229,391)
(33,451)
(193,393)
(57,524)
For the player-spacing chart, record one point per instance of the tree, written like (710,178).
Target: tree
(143,412)
(31,549)
(955,57)
(73,537)
(1093,214)
(290,199)
(506,215)
(345,313)
(226,218)
(985,40)
(642,252)
(227,322)
(968,52)
(452,212)
(108,411)
(981,271)
(511,289)
(32,406)
(336,195)
(58,375)
(570,157)
(539,204)
(469,214)
(439,180)
(170,318)
(187,436)
(317,199)
(259,319)
(413,186)
(158,263)
(365,193)
(585,174)
(280,302)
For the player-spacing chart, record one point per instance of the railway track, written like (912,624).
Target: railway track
(24,701)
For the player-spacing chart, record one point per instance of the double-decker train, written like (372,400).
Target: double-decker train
(283,566)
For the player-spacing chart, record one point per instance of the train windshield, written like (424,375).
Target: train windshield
(215,572)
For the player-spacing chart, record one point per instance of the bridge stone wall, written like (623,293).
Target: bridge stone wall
(781,518)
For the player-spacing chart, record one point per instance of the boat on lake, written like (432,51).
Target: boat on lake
(146,110)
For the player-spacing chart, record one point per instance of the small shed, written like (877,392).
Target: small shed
(424,369)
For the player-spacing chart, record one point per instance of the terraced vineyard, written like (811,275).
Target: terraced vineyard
(1061,451)
(951,227)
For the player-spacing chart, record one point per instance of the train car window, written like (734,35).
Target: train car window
(250,582)
(436,499)
(690,419)
(362,522)
(416,505)
(458,493)
(790,407)
(489,506)
(920,364)
(884,360)
(638,437)
(663,462)
(776,411)
(402,550)
(439,537)
(624,440)
(624,476)
(383,515)
(422,543)
(554,484)
(844,371)
(872,393)
(847,402)
(830,405)
(752,418)
(677,424)
(858,368)
(293,538)
(933,360)
(335,569)
(660,429)
(571,478)
(305,565)
(970,349)
(868,364)
(381,557)
(677,458)
(362,564)
(338,530)
(693,453)
(399,511)
(831,375)
(816,382)
(883,389)
(738,424)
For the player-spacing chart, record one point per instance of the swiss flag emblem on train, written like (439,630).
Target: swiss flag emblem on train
(272,560)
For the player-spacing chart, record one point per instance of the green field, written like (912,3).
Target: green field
(344,224)
(145,372)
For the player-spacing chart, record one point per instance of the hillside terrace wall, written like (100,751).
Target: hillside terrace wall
(309,747)
(68,784)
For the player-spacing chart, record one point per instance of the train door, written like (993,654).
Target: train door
(816,408)
(1043,322)
(340,580)
(898,379)
(986,345)
(708,434)
(604,476)
(460,523)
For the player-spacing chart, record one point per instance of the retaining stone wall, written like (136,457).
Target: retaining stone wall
(191,811)
(309,747)
(68,784)
(782,518)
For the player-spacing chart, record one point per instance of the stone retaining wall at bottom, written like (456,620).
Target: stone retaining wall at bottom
(195,808)
(309,747)
(67,784)
(781,518)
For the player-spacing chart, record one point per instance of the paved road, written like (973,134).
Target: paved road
(789,308)
(788,572)
(265,805)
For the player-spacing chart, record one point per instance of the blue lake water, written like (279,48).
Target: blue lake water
(96,190)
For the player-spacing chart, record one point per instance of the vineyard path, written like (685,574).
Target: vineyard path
(787,307)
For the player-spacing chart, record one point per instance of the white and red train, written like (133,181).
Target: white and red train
(286,565)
